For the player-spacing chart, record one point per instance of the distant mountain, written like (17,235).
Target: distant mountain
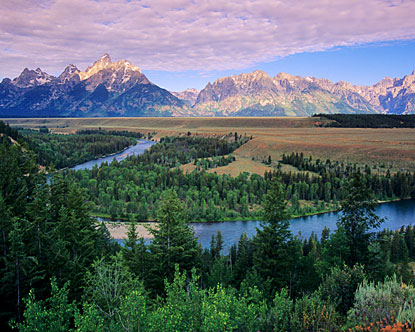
(258,94)
(390,95)
(120,89)
(105,89)
(189,96)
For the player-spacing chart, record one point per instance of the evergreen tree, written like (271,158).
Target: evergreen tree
(135,253)
(357,220)
(243,261)
(410,241)
(19,270)
(270,258)
(174,241)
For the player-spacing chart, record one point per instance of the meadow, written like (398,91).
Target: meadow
(389,148)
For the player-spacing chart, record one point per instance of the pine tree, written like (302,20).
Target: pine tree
(271,259)
(135,253)
(174,241)
(19,270)
(357,220)
(243,261)
(219,244)
(410,241)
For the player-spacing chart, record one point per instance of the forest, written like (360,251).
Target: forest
(55,151)
(131,189)
(61,271)
(368,120)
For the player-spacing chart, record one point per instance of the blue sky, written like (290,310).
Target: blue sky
(187,43)
(362,65)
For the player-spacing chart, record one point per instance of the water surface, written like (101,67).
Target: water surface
(396,213)
(139,148)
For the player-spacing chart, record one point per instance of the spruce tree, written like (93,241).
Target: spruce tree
(357,220)
(135,253)
(271,256)
(174,241)
(410,241)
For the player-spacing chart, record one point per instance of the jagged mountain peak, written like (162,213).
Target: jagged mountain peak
(30,78)
(284,76)
(189,96)
(105,60)
(255,75)
(71,73)
(124,67)
(98,65)
(104,89)
(243,77)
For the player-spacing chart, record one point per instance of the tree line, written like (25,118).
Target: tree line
(57,151)
(368,120)
(273,282)
(131,189)
(61,271)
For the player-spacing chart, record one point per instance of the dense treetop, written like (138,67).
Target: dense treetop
(368,120)
(60,270)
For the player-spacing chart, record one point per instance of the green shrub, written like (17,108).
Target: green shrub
(388,301)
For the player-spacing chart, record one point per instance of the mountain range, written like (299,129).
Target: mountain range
(120,89)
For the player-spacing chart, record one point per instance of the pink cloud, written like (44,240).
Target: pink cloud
(177,35)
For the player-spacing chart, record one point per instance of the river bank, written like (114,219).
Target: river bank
(119,230)
(397,213)
(107,218)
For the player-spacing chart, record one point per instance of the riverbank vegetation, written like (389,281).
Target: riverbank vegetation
(62,272)
(131,189)
(272,136)
(57,151)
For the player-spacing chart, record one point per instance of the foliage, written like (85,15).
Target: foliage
(358,220)
(271,258)
(383,302)
(273,282)
(313,314)
(54,314)
(174,242)
(369,120)
(60,151)
(340,285)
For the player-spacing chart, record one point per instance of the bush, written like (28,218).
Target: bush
(383,304)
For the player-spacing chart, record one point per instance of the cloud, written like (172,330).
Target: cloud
(177,35)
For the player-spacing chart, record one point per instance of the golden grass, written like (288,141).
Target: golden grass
(271,136)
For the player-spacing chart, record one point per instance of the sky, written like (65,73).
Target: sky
(183,44)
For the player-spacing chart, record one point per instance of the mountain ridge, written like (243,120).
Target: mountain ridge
(285,94)
(119,88)
(104,89)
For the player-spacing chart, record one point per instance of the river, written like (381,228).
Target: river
(396,213)
(137,149)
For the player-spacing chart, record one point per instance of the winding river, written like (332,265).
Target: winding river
(137,149)
(396,213)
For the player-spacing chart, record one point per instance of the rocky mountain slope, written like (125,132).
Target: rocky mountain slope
(105,89)
(120,89)
(189,96)
(259,94)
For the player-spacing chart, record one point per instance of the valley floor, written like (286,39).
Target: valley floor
(390,148)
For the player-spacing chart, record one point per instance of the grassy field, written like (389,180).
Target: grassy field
(393,148)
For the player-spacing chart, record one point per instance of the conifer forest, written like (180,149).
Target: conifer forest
(62,271)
